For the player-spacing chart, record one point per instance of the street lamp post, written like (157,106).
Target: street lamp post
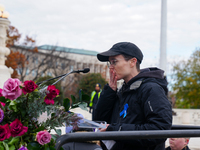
(5,72)
(163,36)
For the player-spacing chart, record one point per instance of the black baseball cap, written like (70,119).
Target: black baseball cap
(125,48)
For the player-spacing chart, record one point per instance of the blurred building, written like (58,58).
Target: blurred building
(54,61)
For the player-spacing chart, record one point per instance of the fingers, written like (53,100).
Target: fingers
(104,129)
(113,80)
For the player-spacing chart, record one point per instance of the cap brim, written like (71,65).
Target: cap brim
(105,55)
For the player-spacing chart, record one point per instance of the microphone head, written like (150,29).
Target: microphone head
(86,70)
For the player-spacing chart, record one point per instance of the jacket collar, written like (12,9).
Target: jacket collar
(132,86)
(135,85)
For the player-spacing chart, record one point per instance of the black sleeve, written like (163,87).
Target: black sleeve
(104,107)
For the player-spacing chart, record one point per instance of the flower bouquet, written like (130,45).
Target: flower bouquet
(21,104)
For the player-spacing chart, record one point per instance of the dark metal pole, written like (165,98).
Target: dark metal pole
(116,135)
(177,127)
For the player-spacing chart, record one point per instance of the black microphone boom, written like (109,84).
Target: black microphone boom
(86,70)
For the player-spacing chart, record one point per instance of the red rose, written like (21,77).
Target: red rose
(4,132)
(52,92)
(29,86)
(49,101)
(17,128)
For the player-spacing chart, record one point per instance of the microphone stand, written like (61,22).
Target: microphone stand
(63,76)
(53,78)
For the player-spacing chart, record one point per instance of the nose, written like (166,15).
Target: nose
(111,66)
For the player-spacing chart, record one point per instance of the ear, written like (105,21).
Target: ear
(133,62)
(187,141)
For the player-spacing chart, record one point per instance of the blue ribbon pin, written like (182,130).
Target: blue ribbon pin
(124,111)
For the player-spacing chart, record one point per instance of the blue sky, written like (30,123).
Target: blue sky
(97,25)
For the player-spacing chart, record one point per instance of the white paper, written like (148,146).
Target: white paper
(84,123)
(108,143)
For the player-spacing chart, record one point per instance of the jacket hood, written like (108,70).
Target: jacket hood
(149,74)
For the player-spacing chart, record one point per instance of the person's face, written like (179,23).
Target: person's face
(121,67)
(97,88)
(178,143)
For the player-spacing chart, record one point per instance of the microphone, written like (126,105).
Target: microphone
(85,70)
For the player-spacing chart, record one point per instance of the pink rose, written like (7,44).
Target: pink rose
(43,137)
(4,132)
(17,128)
(52,92)
(29,86)
(48,101)
(11,89)
(1,92)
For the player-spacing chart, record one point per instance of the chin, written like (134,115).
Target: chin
(118,78)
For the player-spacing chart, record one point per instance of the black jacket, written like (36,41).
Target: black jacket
(148,109)
(185,148)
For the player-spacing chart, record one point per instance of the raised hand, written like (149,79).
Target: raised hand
(113,79)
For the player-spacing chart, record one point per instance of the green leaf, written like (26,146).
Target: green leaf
(83,106)
(41,128)
(14,140)
(3,99)
(6,146)
(1,147)
(33,146)
(53,114)
(86,97)
(76,105)
(66,104)
(54,137)
(13,105)
(52,148)
(80,95)
(58,131)
(23,112)
(12,147)
(46,147)
(73,98)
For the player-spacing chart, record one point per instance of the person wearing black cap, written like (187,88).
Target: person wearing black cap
(94,98)
(141,102)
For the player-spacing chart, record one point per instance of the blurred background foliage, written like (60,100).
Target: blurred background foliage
(87,84)
(186,82)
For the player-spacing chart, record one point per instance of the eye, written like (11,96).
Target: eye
(114,62)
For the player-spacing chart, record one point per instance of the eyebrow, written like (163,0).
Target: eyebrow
(113,58)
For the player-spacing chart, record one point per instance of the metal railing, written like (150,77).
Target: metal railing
(176,132)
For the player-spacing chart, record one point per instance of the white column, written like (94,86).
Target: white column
(163,36)
(5,72)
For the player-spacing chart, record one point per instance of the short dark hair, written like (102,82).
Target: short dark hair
(128,57)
